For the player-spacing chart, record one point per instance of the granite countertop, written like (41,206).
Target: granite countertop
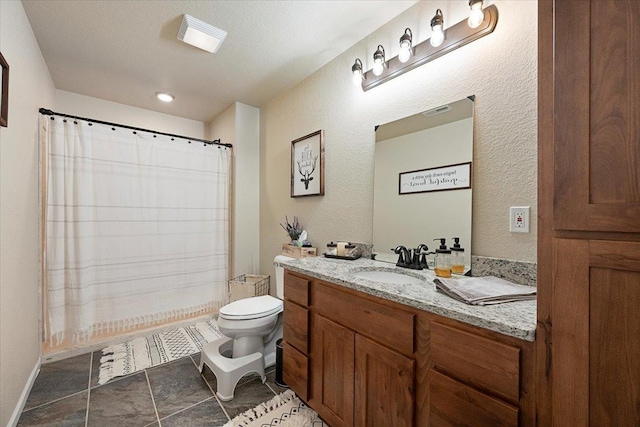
(516,319)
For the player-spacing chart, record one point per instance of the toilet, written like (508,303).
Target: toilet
(251,328)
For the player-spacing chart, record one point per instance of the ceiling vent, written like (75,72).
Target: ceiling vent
(438,110)
(200,34)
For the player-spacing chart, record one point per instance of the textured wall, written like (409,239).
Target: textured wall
(30,86)
(500,69)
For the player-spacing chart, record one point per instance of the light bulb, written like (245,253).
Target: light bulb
(378,61)
(437,37)
(357,78)
(356,70)
(404,55)
(378,68)
(405,46)
(476,17)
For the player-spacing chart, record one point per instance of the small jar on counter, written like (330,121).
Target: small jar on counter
(332,249)
(351,251)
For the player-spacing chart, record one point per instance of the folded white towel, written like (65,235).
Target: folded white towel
(484,290)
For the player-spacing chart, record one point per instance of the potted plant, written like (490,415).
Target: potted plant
(299,247)
(294,230)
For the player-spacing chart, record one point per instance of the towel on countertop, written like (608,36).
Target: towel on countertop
(484,290)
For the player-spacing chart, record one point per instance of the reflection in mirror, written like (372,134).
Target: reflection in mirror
(433,200)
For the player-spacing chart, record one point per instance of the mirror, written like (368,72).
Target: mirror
(423,180)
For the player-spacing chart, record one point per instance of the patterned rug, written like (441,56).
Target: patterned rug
(145,352)
(283,410)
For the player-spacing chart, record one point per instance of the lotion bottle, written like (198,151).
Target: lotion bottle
(443,259)
(457,257)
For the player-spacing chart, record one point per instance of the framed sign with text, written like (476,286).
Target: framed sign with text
(442,178)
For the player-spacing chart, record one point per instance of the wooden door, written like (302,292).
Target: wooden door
(384,389)
(596,333)
(597,115)
(332,363)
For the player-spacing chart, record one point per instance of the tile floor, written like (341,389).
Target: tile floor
(67,393)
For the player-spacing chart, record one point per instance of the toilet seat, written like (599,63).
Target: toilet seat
(251,308)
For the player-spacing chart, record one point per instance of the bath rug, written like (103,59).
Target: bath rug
(284,410)
(145,352)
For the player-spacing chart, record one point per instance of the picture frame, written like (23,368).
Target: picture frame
(4,100)
(307,165)
(441,178)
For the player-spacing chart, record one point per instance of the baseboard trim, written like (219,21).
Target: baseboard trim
(13,421)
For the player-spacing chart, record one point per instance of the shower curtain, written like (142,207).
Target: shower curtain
(135,229)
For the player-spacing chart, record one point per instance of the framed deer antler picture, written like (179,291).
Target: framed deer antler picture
(307,165)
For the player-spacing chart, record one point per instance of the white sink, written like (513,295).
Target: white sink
(387,277)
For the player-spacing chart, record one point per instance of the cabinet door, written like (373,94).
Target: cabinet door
(596,330)
(596,115)
(384,393)
(332,362)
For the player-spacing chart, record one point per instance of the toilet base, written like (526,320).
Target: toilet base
(228,371)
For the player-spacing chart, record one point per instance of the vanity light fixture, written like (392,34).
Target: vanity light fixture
(358,73)
(457,35)
(165,97)
(406,46)
(379,63)
(477,15)
(437,36)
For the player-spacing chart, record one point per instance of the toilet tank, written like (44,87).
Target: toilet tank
(280,275)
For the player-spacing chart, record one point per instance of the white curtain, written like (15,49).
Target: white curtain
(136,229)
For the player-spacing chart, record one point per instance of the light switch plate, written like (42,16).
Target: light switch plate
(519,219)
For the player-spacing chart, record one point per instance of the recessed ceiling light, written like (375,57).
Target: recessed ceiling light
(200,34)
(165,97)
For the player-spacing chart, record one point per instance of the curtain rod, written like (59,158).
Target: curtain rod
(47,112)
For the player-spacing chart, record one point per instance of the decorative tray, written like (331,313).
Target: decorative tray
(350,258)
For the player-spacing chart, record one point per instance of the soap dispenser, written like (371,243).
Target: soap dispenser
(457,257)
(443,259)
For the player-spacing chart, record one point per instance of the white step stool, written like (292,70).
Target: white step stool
(229,371)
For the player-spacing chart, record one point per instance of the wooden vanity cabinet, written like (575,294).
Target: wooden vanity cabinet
(358,361)
(367,361)
(295,362)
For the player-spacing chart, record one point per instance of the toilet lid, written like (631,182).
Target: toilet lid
(251,308)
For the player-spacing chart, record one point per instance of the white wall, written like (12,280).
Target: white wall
(500,69)
(108,111)
(247,191)
(240,125)
(30,87)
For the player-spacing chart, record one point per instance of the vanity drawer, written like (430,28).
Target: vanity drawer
(296,326)
(385,324)
(295,371)
(482,362)
(296,289)
(453,403)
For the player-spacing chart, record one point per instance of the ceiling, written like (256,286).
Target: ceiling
(126,51)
